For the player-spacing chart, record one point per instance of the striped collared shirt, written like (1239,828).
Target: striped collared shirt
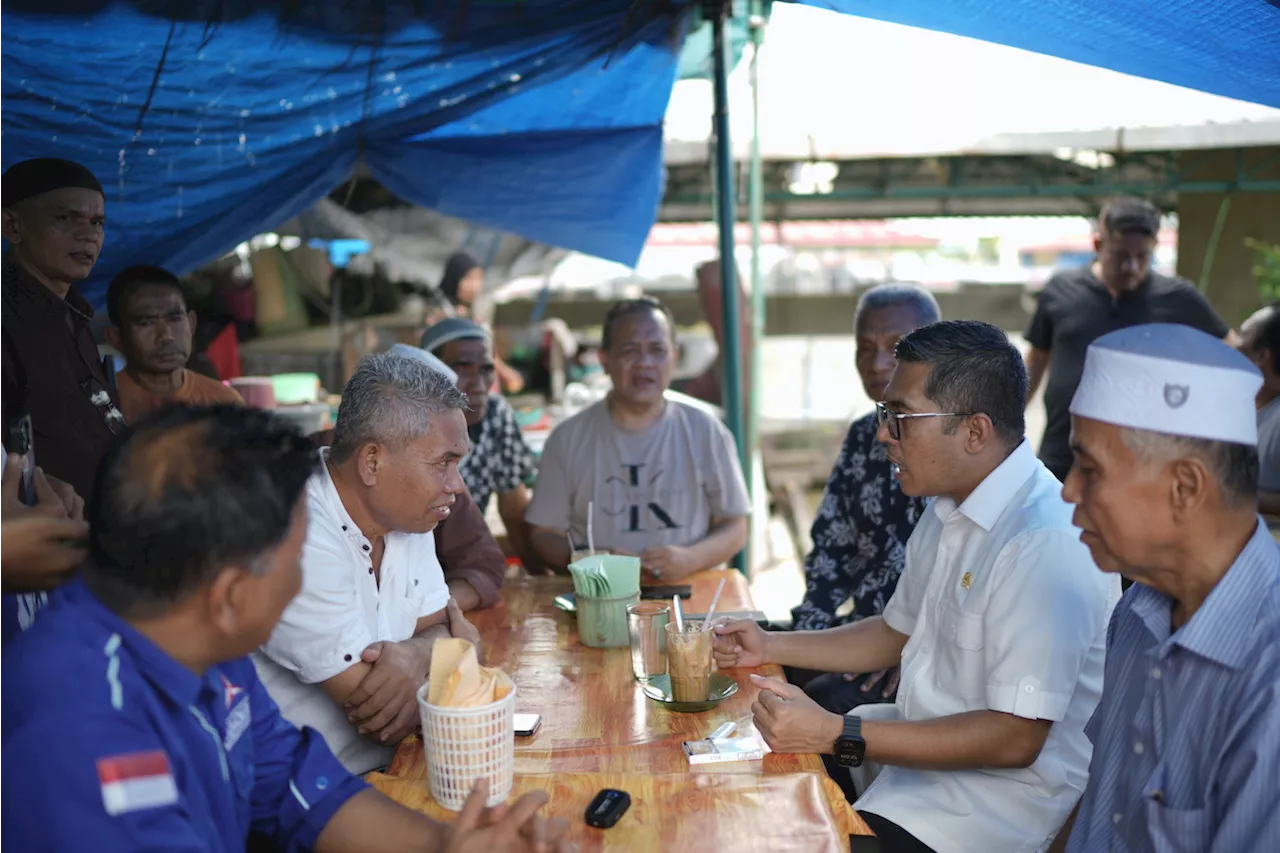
(1186,739)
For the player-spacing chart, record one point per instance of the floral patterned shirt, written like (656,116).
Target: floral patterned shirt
(859,536)
(500,459)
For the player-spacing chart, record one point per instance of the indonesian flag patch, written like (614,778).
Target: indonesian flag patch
(136,781)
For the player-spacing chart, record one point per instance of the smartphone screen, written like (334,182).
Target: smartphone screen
(527,724)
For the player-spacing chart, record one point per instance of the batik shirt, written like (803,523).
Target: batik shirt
(859,536)
(500,459)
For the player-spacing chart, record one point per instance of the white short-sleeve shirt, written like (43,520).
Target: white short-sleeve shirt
(341,609)
(1006,611)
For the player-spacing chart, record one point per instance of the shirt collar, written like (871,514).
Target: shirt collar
(987,503)
(349,528)
(15,274)
(1219,630)
(166,674)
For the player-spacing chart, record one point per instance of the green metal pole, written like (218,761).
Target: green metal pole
(725,220)
(755,203)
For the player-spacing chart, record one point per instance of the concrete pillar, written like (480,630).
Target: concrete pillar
(1231,287)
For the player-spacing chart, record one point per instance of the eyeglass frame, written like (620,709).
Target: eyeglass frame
(892,421)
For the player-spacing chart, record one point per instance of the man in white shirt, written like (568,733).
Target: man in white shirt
(999,622)
(351,650)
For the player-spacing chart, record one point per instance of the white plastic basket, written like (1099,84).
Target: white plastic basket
(464,745)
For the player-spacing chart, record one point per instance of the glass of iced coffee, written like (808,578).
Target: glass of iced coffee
(689,662)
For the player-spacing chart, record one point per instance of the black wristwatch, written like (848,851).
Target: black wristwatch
(850,747)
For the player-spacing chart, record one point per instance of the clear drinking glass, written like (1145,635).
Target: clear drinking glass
(646,622)
(689,661)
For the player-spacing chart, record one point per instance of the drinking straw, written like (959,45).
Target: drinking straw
(591,537)
(711,611)
(675,604)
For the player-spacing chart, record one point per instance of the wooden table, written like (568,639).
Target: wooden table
(599,730)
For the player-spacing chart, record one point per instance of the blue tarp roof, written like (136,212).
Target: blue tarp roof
(211,120)
(1228,47)
(542,117)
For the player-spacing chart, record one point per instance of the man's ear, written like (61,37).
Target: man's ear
(191,319)
(227,597)
(981,432)
(113,336)
(1189,486)
(371,459)
(10,226)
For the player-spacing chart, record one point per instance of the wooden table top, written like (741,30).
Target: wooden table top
(597,721)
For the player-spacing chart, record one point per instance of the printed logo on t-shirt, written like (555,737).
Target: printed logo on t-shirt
(639,505)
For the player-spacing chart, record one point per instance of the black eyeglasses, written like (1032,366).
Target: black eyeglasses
(892,420)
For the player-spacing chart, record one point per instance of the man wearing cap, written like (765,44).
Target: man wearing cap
(500,462)
(1117,290)
(1260,342)
(53,221)
(1186,739)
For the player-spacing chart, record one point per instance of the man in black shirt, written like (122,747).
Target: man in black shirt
(53,221)
(1119,289)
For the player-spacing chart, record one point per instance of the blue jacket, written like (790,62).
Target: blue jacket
(109,744)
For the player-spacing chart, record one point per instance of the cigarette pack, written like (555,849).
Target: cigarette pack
(717,750)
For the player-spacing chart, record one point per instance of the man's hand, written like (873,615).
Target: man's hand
(789,721)
(668,562)
(385,705)
(886,678)
(498,830)
(40,552)
(41,545)
(52,501)
(740,643)
(461,629)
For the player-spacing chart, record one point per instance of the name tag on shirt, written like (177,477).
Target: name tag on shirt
(136,781)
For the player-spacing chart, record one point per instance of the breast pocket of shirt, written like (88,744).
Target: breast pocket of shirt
(1171,828)
(961,664)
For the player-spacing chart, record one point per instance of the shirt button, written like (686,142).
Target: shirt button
(344,528)
(1156,673)
(347,658)
(1029,689)
(1117,817)
(322,782)
(1137,748)
(366,547)
(371,570)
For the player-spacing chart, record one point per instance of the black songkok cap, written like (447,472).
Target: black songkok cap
(31,178)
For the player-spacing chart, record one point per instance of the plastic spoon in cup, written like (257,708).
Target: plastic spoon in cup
(711,611)
(675,605)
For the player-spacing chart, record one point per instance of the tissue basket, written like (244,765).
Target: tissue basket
(464,745)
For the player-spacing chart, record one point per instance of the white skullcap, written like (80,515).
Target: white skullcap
(1171,379)
(426,358)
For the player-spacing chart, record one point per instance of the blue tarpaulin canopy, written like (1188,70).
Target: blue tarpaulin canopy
(211,120)
(1228,47)
(542,117)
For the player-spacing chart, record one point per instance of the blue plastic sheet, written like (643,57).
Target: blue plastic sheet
(542,117)
(1228,47)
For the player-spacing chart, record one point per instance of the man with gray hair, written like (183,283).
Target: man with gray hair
(1186,738)
(352,648)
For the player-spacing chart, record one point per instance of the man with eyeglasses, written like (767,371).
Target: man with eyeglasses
(1117,290)
(998,622)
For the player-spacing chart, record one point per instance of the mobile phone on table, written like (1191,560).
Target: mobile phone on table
(19,443)
(527,724)
(660,592)
(607,808)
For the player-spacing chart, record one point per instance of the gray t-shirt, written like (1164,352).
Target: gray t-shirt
(659,486)
(1269,447)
